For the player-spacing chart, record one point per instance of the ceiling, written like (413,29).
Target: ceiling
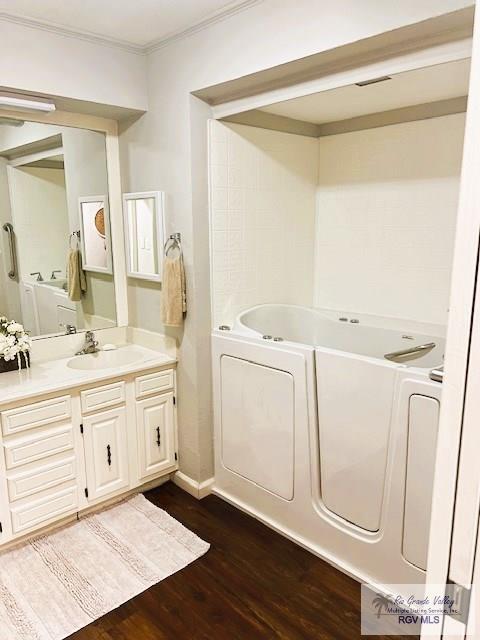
(429,84)
(140,24)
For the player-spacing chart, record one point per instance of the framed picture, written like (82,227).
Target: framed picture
(95,234)
(144,222)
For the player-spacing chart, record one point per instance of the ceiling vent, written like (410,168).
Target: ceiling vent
(365,83)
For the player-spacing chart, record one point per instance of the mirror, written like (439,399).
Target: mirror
(55,260)
(144,234)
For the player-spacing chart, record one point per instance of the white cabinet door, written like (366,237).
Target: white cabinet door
(106,453)
(156,435)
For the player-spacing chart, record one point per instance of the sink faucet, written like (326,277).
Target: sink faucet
(39,277)
(91,345)
(53,276)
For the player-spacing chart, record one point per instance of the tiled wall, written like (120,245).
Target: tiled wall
(377,240)
(386,213)
(263,188)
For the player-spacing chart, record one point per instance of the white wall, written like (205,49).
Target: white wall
(42,61)
(167,149)
(386,213)
(263,186)
(40,219)
(382,224)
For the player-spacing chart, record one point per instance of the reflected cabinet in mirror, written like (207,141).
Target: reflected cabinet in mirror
(55,263)
(144,234)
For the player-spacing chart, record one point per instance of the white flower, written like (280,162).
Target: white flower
(15,327)
(13,339)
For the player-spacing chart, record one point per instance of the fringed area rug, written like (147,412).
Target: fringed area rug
(58,583)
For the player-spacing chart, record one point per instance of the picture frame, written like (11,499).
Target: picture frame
(95,235)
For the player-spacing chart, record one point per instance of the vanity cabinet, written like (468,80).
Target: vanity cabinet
(61,455)
(156,435)
(106,453)
(40,464)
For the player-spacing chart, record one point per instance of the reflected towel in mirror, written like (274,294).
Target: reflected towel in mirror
(77,283)
(174,298)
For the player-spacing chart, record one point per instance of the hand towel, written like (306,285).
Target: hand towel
(77,283)
(174,295)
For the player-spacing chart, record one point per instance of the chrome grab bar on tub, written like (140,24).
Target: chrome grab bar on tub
(410,354)
(13,273)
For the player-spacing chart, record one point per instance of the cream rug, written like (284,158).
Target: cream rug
(58,583)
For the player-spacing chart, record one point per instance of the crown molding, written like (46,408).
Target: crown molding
(60,30)
(218,16)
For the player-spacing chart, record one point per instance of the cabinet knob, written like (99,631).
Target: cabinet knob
(109,455)
(158,437)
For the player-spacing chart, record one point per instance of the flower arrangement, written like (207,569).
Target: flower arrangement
(15,345)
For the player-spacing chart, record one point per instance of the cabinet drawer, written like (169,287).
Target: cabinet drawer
(53,504)
(42,476)
(102,397)
(154,383)
(48,442)
(36,415)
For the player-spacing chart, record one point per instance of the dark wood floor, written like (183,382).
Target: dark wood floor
(252,583)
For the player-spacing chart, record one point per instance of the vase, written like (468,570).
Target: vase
(13,365)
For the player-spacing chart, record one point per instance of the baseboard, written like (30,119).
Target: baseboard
(196,489)
(205,488)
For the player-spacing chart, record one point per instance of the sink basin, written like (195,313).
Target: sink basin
(106,359)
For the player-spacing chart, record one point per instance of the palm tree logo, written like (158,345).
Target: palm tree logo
(380,603)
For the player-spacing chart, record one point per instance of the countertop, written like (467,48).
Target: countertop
(55,375)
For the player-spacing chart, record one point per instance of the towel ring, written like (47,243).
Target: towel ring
(75,235)
(174,241)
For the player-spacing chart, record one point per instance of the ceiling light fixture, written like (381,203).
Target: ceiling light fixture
(25,103)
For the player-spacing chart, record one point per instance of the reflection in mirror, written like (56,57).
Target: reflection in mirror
(50,178)
(94,234)
(144,232)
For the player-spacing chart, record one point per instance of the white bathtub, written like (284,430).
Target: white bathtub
(324,329)
(323,438)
